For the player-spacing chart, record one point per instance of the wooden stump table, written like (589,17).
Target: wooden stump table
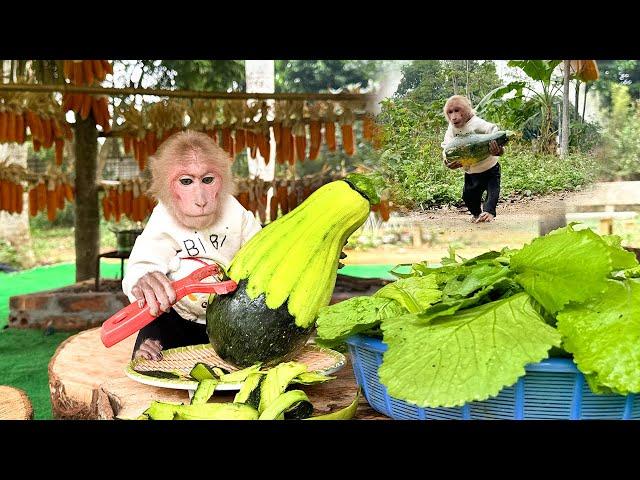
(87,381)
(14,404)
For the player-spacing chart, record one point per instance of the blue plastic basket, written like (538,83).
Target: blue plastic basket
(553,389)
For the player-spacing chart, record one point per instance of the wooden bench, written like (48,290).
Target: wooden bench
(87,381)
(606,202)
(606,218)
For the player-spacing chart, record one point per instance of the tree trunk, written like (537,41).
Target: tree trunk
(14,228)
(577,100)
(467,83)
(87,222)
(584,100)
(564,139)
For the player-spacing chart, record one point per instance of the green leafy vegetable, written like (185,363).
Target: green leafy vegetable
(563,267)
(413,294)
(620,258)
(604,335)
(358,314)
(469,356)
(451,306)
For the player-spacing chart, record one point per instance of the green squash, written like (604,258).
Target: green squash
(473,148)
(285,273)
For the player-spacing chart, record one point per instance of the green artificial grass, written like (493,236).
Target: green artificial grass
(25,354)
(24,358)
(370,271)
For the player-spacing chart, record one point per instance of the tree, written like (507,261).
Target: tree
(538,105)
(429,81)
(323,75)
(625,72)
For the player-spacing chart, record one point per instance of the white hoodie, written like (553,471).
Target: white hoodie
(474,125)
(168,247)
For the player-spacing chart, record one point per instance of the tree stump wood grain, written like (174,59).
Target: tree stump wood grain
(87,381)
(78,368)
(14,404)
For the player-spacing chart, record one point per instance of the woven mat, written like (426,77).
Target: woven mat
(182,360)
(14,404)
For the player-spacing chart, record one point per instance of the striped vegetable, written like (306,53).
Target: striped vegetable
(52,202)
(41,195)
(33,202)
(348,144)
(60,196)
(300,134)
(5,200)
(241,139)
(316,139)
(273,208)
(330,135)
(59,151)
(87,70)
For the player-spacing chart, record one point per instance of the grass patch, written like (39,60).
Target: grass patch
(24,358)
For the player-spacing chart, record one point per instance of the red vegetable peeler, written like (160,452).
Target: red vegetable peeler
(132,318)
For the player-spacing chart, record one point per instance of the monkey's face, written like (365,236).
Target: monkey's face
(194,188)
(458,113)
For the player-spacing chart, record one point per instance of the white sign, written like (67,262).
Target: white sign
(260,76)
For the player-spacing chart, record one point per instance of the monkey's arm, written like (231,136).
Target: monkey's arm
(482,126)
(448,136)
(152,252)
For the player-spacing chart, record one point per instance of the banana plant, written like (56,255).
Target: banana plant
(529,104)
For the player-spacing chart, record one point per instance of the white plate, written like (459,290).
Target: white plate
(181,360)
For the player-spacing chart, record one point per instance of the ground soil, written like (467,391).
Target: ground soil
(517,222)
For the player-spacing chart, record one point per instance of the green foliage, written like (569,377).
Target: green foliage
(538,70)
(531,109)
(524,170)
(620,157)
(322,75)
(428,81)
(8,254)
(617,72)
(216,75)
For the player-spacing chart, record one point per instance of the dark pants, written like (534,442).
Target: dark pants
(173,331)
(475,184)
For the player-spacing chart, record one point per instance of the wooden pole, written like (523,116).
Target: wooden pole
(564,139)
(27,87)
(87,219)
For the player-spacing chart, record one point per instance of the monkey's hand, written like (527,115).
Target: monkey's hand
(155,289)
(150,349)
(453,165)
(495,149)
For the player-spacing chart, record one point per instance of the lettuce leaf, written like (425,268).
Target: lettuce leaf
(449,306)
(621,259)
(414,294)
(562,267)
(339,321)
(604,336)
(468,356)
(474,278)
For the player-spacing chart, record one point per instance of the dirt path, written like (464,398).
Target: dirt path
(517,222)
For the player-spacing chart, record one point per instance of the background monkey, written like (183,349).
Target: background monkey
(482,177)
